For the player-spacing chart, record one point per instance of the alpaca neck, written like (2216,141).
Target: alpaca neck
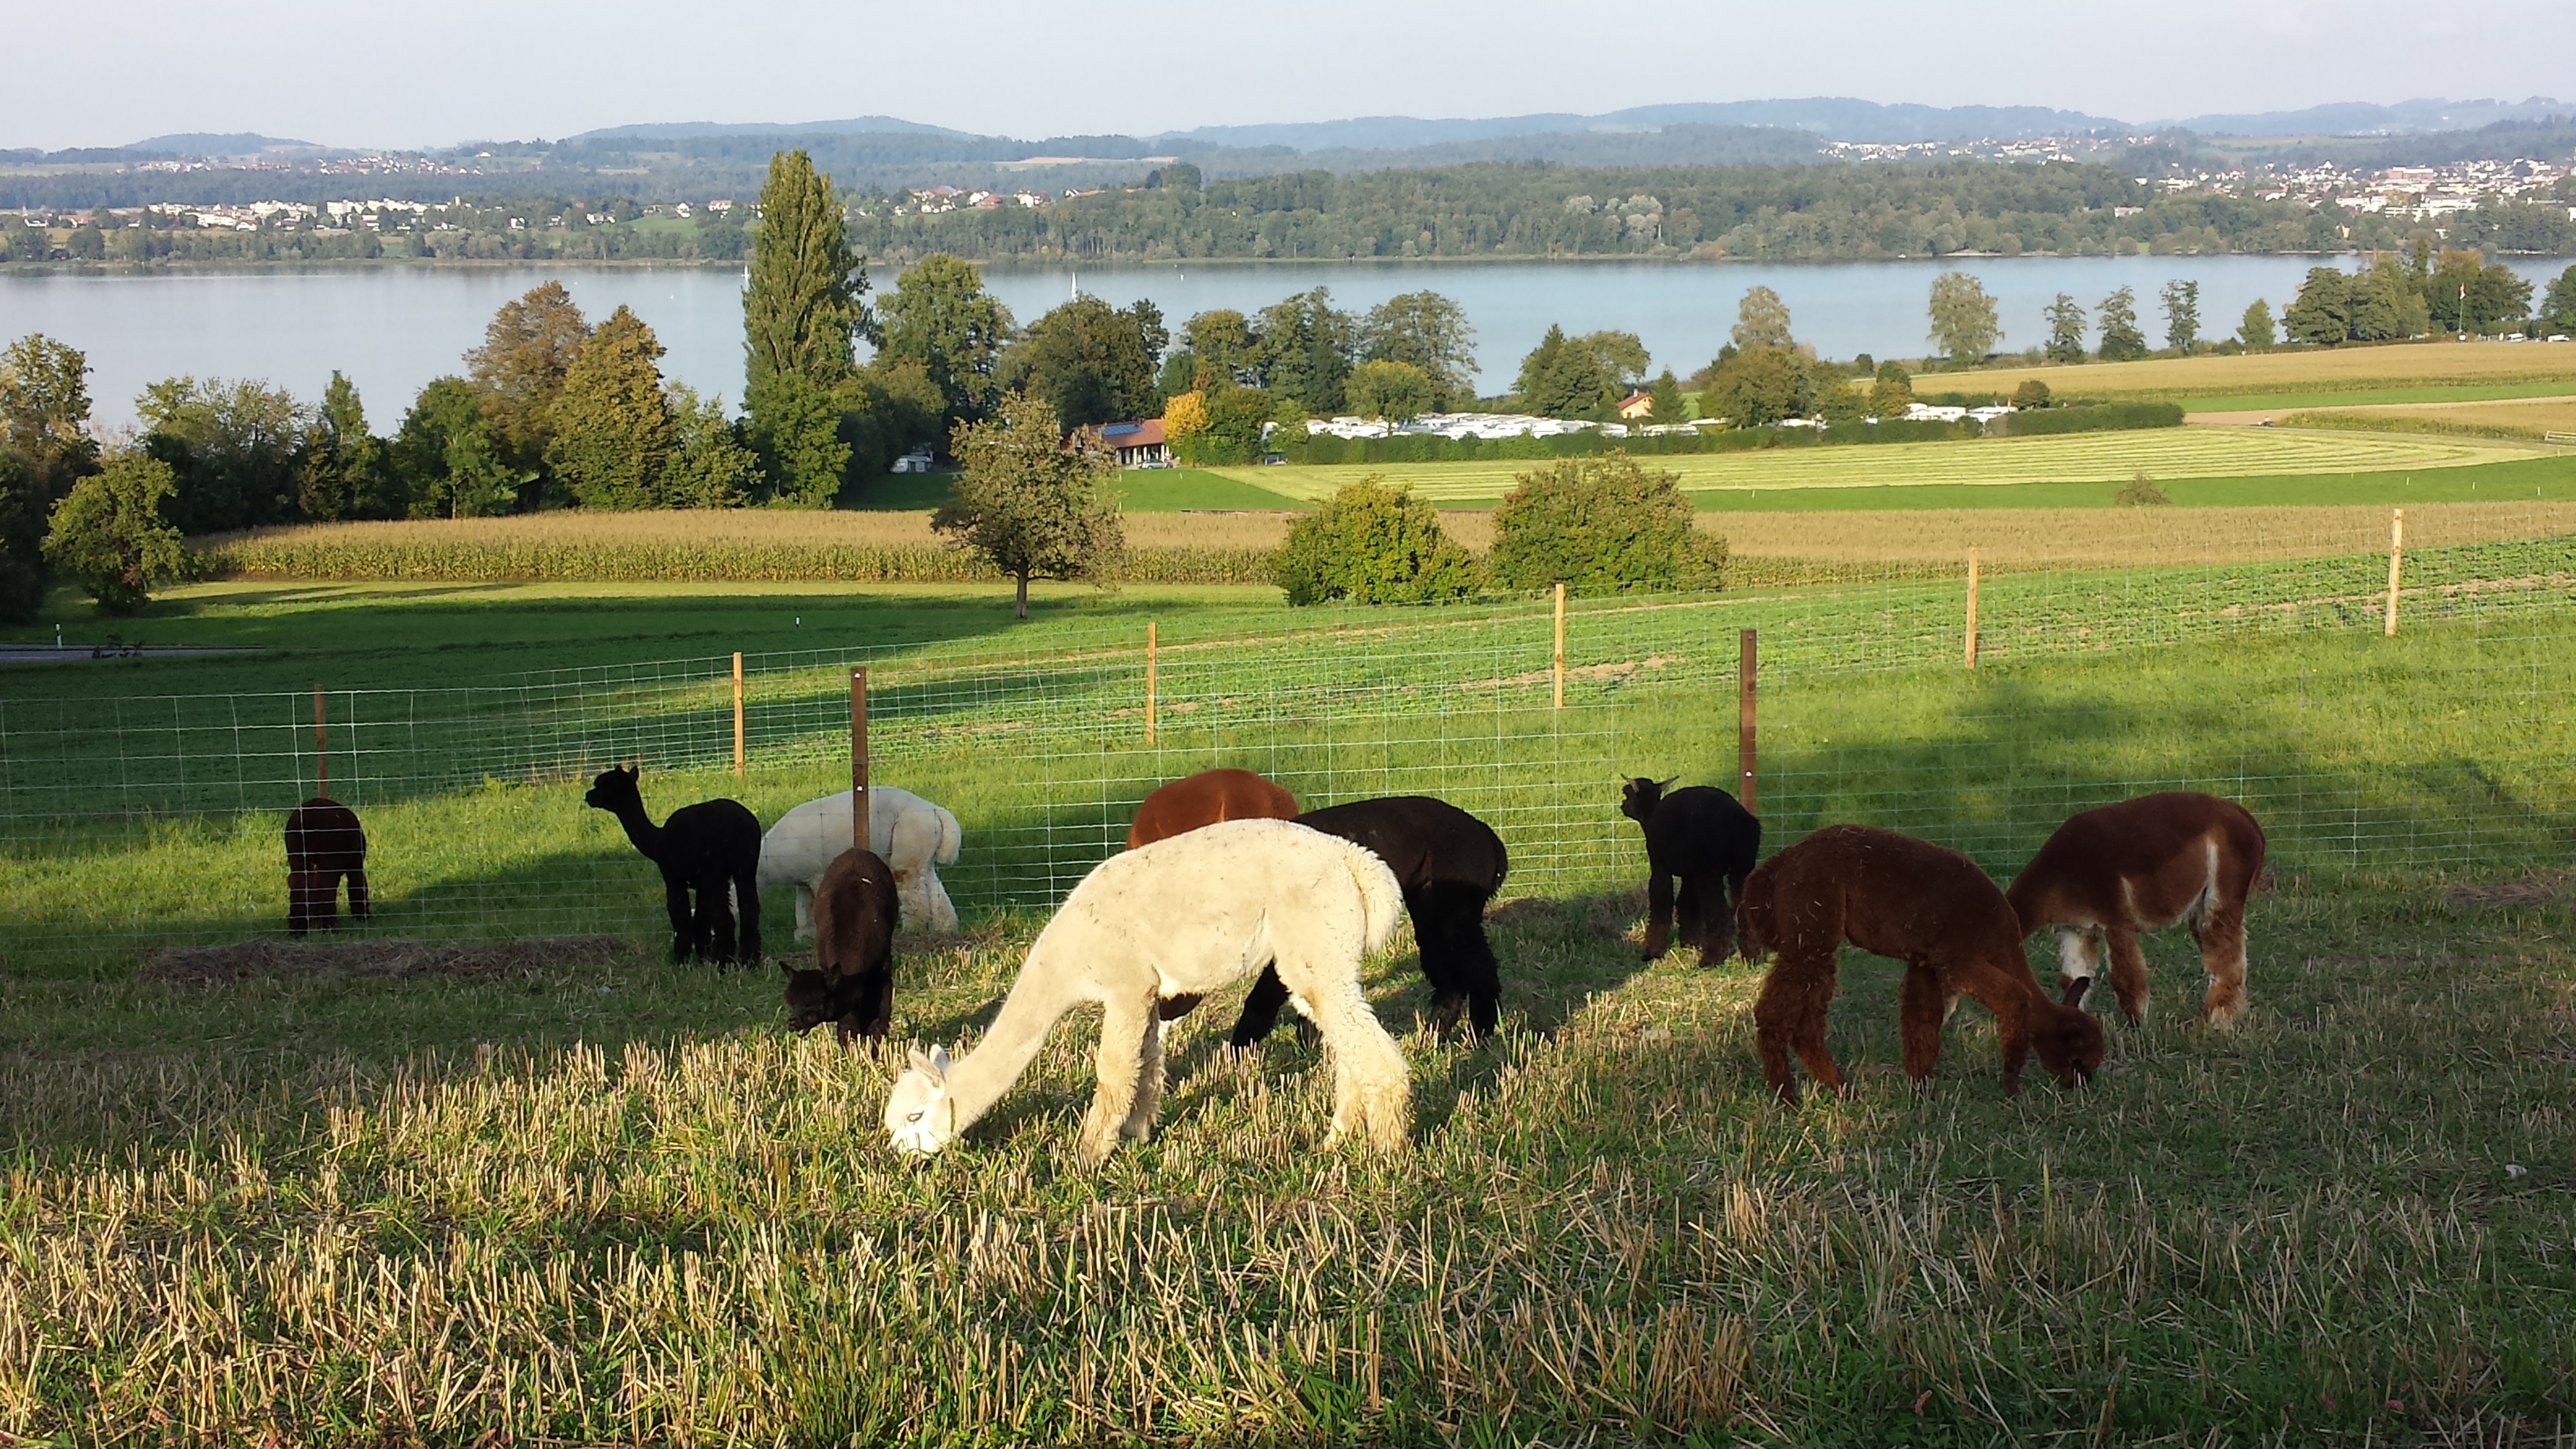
(640,829)
(1038,1000)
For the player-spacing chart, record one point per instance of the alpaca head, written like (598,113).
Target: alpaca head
(2069,1043)
(614,788)
(1638,797)
(919,1117)
(809,1000)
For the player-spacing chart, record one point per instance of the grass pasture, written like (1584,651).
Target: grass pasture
(598,1199)
(2206,383)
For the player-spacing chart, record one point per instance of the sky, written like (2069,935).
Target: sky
(430,75)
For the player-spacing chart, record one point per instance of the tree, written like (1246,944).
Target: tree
(1031,505)
(1665,403)
(1302,348)
(108,532)
(1761,320)
(2065,330)
(2182,314)
(2031,396)
(1372,544)
(940,316)
(2321,314)
(803,314)
(1891,392)
(1580,377)
(1396,391)
(1231,422)
(1185,415)
(345,466)
(1964,326)
(45,448)
(612,429)
(2558,307)
(2256,330)
(709,465)
(233,449)
(2470,295)
(1221,342)
(2121,339)
(1091,363)
(1428,331)
(1601,525)
(1759,387)
(2385,303)
(520,367)
(447,460)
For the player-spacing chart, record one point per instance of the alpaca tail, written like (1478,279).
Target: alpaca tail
(950,837)
(1381,900)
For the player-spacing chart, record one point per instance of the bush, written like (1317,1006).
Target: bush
(108,532)
(2140,491)
(2031,396)
(2090,418)
(1600,526)
(1372,544)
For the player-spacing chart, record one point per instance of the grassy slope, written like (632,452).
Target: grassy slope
(668,1220)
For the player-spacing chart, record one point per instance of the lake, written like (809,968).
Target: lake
(393,328)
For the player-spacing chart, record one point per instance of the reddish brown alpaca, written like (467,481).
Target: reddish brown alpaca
(2142,865)
(1930,908)
(1204,799)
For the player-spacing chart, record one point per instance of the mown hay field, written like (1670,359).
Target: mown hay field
(580,1198)
(2529,419)
(2290,371)
(2162,453)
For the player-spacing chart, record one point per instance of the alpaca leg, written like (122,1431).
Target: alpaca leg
(943,911)
(360,907)
(1659,914)
(715,919)
(1720,940)
(675,897)
(1790,1015)
(746,895)
(1372,1091)
(2079,959)
(299,901)
(876,1003)
(1118,1065)
(1149,1083)
(1470,964)
(1260,1010)
(2222,955)
(1922,1007)
(2128,970)
(1687,926)
(805,913)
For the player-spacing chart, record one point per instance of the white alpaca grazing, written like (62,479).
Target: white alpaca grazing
(913,835)
(1183,917)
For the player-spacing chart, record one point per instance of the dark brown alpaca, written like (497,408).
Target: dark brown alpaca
(1934,910)
(2143,865)
(1204,799)
(852,983)
(324,845)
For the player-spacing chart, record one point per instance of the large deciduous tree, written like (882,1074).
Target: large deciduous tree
(940,316)
(1396,391)
(1032,505)
(1761,320)
(1092,363)
(109,533)
(346,468)
(1964,326)
(2182,314)
(1580,377)
(1303,347)
(234,450)
(1759,387)
(2558,305)
(527,348)
(612,428)
(45,448)
(448,461)
(1428,331)
(2121,339)
(803,313)
(2321,314)
(2066,323)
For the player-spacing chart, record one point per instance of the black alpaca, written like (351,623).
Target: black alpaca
(702,848)
(852,982)
(324,845)
(1448,863)
(1701,835)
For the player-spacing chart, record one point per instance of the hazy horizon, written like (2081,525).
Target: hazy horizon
(481,70)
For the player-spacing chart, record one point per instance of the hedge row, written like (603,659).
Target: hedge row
(484,561)
(1324,448)
(2089,418)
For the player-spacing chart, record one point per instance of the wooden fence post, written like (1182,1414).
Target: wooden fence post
(2396,552)
(1560,647)
(737,714)
(1972,609)
(1744,674)
(859,759)
(1150,681)
(321,751)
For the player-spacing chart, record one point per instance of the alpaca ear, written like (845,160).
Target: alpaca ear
(934,1066)
(939,1061)
(1667,782)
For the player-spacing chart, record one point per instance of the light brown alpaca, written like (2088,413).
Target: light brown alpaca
(2142,865)
(1206,798)
(1930,908)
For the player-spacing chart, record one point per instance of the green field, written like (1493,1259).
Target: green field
(583,1198)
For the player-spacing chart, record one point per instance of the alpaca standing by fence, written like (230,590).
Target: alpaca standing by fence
(1189,914)
(703,849)
(324,845)
(2143,865)
(913,837)
(1707,839)
(1934,910)
(1206,798)
(851,984)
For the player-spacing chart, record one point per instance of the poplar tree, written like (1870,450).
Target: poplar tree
(612,429)
(803,314)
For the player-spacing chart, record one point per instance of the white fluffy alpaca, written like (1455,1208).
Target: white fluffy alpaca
(1185,916)
(913,835)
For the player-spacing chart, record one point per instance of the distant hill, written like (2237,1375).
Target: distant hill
(200,143)
(2406,118)
(1833,117)
(686,130)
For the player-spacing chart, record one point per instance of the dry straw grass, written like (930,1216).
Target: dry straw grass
(2297,370)
(2527,419)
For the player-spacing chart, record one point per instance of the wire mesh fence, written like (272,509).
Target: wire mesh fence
(135,820)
